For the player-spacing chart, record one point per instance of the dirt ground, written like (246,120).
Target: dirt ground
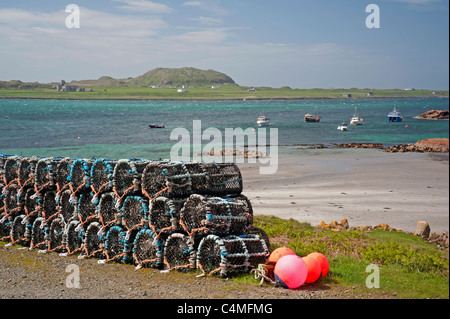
(26,274)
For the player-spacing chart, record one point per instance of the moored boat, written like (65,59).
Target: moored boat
(395,116)
(356,120)
(263,121)
(311,118)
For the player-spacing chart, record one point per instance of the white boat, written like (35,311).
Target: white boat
(342,127)
(263,121)
(356,120)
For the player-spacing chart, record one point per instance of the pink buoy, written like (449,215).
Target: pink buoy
(290,271)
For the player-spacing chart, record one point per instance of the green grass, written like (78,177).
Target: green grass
(409,266)
(199,93)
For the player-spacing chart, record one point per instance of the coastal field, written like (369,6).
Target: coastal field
(224,92)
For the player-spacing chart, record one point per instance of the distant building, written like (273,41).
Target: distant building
(181,90)
(410,89)
(251,89)
(215,87)
(370,94)
(347,95)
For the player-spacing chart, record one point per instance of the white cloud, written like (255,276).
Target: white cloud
(207,20)
(144,6)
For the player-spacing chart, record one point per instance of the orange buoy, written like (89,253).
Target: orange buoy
(290,271)
(280,252)
(314,269)
(323,261)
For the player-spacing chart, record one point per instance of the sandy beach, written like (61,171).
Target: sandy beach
(366,186)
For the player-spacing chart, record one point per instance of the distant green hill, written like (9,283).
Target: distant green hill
(163,77)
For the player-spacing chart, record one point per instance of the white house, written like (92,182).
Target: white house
(181,90)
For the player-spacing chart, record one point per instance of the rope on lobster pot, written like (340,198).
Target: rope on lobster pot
(26,172)
(102,172)
(85,209)
(94,241)
(65,207)
(73,238)
(115,245)
(215,215)
(11,170)
(232,254)
(179,253)
(106,210)
(223,179)
(18,230)
(79,179)
(148,249)
(56,235)
(164,214)
(63,174)
(45,175)
(172,179)
(39,234)
(127,177)
(49,205)
(134,212)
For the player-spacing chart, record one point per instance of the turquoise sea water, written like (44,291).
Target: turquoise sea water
(118,129)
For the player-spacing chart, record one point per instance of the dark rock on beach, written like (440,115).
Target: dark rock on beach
(360,145)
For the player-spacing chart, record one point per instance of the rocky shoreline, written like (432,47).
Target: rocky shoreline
(434,115)
(433,145)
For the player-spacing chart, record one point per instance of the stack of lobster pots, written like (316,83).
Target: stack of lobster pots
(161,214)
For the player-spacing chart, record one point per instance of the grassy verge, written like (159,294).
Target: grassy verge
(207,93)
(409,266)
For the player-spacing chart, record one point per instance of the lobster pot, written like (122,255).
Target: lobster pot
(45,177)
(56,235)
(127,177)
(118,244)
(73,237)
(86,208)
(148,249)
(165,213)
(48,204)
(39,231)
(80,176)
(29,202)
(18,230)
(11,170)
(102,176)
(63,173)
(223,179)
(106,209)
(94,241)
(232,254)
(10,203)
(179,252)
(65,207)
(26,171)
(173,179)
(134,212)
(220,216)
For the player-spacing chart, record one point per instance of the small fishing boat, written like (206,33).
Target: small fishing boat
(263,121)
(395,116)
(342,127)
(156,126)
(311,118)
(356,120)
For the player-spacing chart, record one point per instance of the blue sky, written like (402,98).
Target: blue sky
(298,43)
